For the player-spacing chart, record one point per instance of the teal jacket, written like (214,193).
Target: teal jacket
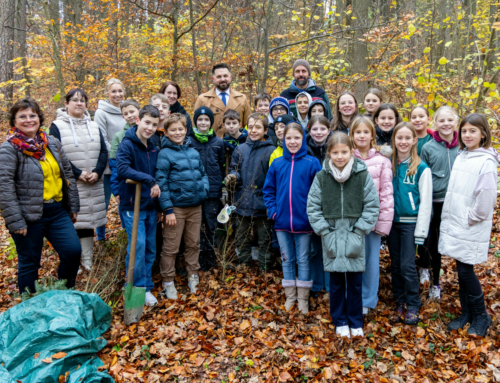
(413,198)
(440,157)
(344,239)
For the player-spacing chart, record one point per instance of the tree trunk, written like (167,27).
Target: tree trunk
(441,37)
(20,43)
(175,40)
(360,48)
(7,9)
(195,61)
(269,18)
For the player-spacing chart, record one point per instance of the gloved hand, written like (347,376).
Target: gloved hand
(230,179)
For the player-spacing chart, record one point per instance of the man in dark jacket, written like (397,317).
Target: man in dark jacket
(248,170)
(304,83)
(211,150)
(136,160)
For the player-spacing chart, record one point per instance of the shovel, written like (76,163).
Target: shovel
(134,297)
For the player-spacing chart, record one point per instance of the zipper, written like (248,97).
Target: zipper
(290,192)
(449,160)
(342,199)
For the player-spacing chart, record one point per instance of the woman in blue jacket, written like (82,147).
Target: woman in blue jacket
(285,194)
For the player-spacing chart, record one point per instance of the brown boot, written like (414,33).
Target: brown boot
(290,293)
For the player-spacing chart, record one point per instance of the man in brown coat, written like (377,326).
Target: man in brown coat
(221,98)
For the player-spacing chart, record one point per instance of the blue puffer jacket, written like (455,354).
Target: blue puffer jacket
(181,176)
(286,189)
(212,158)
(136,162)
(250,164)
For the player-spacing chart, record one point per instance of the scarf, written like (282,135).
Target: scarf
(33,147)
(203,137)
(449,145)
(342,176)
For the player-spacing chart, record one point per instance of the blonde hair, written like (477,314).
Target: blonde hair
(173,118)
(415,159)
(362,120)
(443,109)
(161,97)
(113,81)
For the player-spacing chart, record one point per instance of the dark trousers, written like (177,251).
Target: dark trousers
(209,212)
(101,230)
(346,299)
(56,226)
(261,230)
(467,279)
(429,254)
(402,248)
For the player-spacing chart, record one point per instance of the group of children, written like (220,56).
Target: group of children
(328,191)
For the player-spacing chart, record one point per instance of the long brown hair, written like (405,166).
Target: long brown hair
(415,159)
(363,120)
(337,117)
(338,138)
(480,122)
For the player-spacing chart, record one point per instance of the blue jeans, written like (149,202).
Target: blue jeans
(145,252)
(402,248)
(101,230)
(321,278)
(346,302)
(372,270)
(56,226)
(295,250)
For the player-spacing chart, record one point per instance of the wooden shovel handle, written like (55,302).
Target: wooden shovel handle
(132,182)
(135,229)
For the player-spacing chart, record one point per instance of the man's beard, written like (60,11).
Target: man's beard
(224,86)
(302,81)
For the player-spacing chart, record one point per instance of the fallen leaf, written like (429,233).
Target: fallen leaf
(199,361)
(47,360)
(59,355)
(284,376)
(381,367)
(405,354)
(244,325)
(115,359)
(210,315)
(327,373)
(37,355)
(420,332)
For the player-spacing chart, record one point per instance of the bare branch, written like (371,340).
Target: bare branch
(197,21)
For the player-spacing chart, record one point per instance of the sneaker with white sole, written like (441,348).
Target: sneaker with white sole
(366,310)
(435,292)
(193,282)
(170,291)
(150,299)
(357,332)
(343,331)
(424,275)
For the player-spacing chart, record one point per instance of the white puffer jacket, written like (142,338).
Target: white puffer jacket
(468,207)
(81,143)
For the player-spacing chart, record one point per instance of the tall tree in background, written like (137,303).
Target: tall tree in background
(7,12)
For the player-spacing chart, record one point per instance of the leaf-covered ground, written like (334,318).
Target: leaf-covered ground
(236,330)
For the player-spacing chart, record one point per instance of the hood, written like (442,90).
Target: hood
(311,85)
(131,134)
(302,152)
(166,143)
(383,134)
(311,143)
(316,102)
(452,144)
(490,152)
(62,114)
(108,108)
(358,166)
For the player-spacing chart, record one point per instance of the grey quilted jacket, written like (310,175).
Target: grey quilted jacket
(21,185)
(344,239)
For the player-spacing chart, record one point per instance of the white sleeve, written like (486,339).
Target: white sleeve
(425,207)
(100,120)
(485,193)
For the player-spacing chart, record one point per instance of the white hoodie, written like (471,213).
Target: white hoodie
(304,121)
(469,205)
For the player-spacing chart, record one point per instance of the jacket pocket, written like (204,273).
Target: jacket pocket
(353,245)
(330,245)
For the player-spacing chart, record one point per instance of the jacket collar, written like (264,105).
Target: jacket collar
(311,85)
(302,152)
(131,134)
(166,143)
(452,144)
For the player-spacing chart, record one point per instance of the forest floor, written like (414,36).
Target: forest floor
(237,330)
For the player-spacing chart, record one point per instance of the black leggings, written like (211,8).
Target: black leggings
(467,279)
(428,252)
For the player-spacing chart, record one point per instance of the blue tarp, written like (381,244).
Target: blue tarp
(71,322)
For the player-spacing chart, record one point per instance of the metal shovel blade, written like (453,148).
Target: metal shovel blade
(134,303)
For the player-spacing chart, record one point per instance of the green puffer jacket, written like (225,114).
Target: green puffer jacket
(343,239)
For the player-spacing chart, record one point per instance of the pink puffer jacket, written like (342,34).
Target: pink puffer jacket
(380,168)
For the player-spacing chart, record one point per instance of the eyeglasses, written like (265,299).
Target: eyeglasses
(279,109)
(76,100)
(24,117)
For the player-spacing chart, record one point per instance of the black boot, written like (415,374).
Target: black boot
(203,261)
(465,317)
(481,321)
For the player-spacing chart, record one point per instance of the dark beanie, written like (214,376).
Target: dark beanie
(206,111)
(285,119)
(303,63)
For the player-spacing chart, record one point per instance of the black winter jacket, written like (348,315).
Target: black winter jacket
(212,157)
(21,185)
(318,152)
(250,164)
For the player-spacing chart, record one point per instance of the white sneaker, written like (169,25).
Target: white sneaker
(170,291)
(193,282)
(150,299)
(343,331)
(357,332)
(366,310)
(424,275)
(435,292)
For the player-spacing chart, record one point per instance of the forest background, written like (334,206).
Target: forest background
(428,52)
